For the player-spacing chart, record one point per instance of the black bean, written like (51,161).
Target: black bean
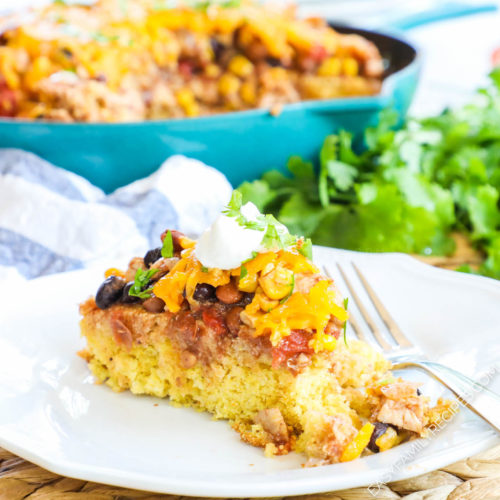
(204,293)
(274,62)
(126,298)
(247,298)
(419,392)
(217,47)
(380,429)
(152,256)
(67,52)
(109,292)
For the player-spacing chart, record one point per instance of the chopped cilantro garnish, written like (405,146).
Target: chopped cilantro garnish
(243,272)
(252,256)
(167,250)
(305,248)
(141,280)
(275,234)
(59,2)
(346,302)
(205,4)
(204,269)
(98,36)
(292,286)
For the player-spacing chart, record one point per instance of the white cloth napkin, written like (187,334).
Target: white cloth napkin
(52,220)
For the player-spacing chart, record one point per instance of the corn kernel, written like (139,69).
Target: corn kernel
(40,68)
(278,283)
(388,439)
(278,74)
(186,100)
(265,303)
(212,70)
(248,283)
(358,444)
(192,109)
(240,66)
(330,67)
(248,93)
(323,342)
(350,66)
(228,84)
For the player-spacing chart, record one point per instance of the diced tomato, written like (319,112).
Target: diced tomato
(214,320)
(318,53)
(297,342)
(495,57)
(186,69)
(8,100)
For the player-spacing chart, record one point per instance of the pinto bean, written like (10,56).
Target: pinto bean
(121,333)
(233,320)
(186,330)
(229,294)
(188,359)
(154,305)
(134,264)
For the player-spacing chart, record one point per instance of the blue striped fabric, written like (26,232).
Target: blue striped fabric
(52,220)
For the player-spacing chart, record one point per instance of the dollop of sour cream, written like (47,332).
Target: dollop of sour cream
(226,244)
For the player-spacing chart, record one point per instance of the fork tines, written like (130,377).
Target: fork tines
(400,340)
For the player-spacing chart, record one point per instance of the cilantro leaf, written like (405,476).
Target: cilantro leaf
(305,248)
(141,281)
(346,302)
(289,294)
(167,249)
(243,271)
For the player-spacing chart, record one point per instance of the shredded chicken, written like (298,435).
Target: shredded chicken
(402,406)
(273,423)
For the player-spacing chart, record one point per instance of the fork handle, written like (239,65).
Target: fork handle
(475,396)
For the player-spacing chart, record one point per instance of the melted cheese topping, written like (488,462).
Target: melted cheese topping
(266,277)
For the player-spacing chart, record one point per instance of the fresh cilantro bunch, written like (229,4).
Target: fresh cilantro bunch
(408,191)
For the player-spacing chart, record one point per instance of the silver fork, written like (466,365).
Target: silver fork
(403,354)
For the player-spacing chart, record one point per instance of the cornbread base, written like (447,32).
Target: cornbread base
(324,399)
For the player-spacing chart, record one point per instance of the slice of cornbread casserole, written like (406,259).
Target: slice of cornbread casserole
(243,325)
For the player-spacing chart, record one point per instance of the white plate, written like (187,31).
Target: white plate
(54,415)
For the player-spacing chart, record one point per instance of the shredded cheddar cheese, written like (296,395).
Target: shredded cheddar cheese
(276,309)
(113,271)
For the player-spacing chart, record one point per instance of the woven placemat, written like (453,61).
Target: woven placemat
(477,478)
